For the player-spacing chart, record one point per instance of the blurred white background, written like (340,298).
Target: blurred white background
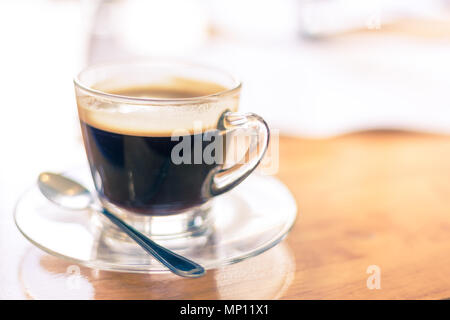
(311,68)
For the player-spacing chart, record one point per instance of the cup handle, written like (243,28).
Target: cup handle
(226,179)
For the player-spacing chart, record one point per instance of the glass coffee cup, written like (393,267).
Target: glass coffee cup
(158,137)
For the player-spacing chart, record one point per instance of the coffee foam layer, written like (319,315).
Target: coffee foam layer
(171,88)
(140,120)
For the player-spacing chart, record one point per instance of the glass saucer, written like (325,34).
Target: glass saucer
(246,221)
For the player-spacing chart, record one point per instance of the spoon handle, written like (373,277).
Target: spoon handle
(176,263)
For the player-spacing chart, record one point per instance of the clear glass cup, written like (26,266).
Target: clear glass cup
(133,143)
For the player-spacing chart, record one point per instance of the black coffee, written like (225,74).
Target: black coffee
(137,172)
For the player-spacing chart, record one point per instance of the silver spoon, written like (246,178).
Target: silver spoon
(72,195)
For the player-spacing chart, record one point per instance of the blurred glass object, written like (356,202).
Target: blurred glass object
(120,29)
(322,18)
(255,20)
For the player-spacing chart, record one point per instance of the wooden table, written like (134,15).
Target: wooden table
(372,198)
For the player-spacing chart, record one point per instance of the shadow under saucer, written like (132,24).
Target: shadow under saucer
(266,276)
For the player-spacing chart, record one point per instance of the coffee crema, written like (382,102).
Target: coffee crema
(158,120)
(129,147)
(176,88)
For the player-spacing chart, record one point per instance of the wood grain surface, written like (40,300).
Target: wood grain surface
(373,198)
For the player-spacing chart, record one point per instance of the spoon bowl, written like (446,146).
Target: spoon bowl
(70,194)
(64,191)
